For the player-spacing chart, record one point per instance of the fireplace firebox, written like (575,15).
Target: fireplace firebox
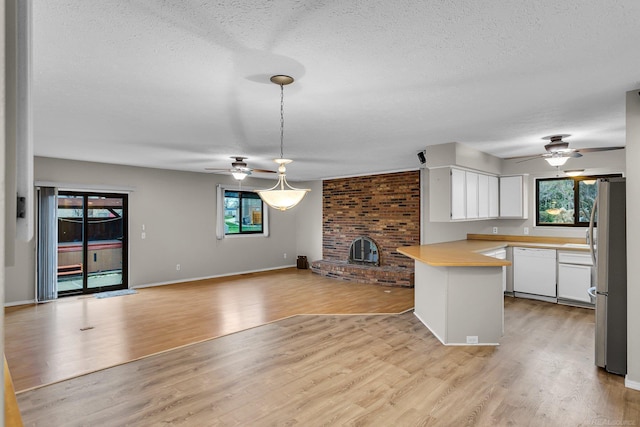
(364,251)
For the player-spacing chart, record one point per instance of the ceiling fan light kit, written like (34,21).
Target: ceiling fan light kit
(239,175)
(282,196)
(557,159)
(239,169)
(558,151)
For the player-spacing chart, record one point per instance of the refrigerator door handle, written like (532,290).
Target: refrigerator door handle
(592,246)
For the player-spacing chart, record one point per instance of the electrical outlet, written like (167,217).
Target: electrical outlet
(495,230)
(285,256)
(177,267)
(472,339)
(143,235)
(526,230)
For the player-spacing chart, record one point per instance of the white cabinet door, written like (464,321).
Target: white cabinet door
(483,196)
(494,200)
(512,197)
(574,281)
(458,194)
(471,179)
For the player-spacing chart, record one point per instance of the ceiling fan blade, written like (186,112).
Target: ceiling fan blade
(592,150)
(573,154)
(263,171)
(526,158)
(217,170)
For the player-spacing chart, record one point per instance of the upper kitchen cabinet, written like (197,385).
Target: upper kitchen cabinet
(456,207)
(460,195)
(513,197)
(494,196)
(471,184)
(484,197)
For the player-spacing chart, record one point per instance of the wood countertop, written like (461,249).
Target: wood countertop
(467,253)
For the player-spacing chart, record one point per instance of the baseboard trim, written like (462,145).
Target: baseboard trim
(172,282)
(536,297)
(14,303)
(193,279)
(430,330)
(635,385)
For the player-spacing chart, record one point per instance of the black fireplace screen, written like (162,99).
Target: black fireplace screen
(364,251)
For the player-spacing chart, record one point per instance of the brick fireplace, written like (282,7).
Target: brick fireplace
(384,208)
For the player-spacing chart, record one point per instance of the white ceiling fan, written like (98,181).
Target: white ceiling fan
(558,151)
(239,169)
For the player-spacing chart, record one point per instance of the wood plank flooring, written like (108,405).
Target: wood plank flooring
(310,369)
(360,370)
(72,336)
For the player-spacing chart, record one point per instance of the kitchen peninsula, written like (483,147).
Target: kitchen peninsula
(458,290)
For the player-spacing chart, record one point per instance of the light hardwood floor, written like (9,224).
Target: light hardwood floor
(379,370)
(75,335)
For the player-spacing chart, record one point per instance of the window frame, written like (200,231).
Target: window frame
(219,218)
(244,194)
(576,198)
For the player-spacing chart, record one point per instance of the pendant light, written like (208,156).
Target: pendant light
(282,196)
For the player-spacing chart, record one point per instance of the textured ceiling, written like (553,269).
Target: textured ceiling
(184,85)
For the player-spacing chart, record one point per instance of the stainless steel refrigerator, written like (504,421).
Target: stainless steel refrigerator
(610,258)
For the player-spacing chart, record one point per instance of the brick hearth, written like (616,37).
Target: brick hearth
(388,276)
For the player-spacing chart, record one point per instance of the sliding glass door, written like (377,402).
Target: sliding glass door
(92,242)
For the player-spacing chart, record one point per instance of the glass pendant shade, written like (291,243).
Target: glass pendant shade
(282,196)
(239,175)
(556,160)
(282,199)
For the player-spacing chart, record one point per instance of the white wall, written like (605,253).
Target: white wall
(454,153)
(633,241)
(178,211)
(309,222)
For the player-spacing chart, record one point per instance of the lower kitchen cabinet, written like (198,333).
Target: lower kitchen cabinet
(574,277)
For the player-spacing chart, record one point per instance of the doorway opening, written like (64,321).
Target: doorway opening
(92,242)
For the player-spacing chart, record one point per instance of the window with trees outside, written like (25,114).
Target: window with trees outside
(242,212)
(566,201)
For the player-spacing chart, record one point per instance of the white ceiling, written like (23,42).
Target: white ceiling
(184,85)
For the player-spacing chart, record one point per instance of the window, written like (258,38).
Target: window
(566,201)
(243,212)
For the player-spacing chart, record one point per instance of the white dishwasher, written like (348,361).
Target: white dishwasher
(534,273)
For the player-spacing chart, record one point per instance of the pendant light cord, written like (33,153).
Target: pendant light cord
(282,121)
